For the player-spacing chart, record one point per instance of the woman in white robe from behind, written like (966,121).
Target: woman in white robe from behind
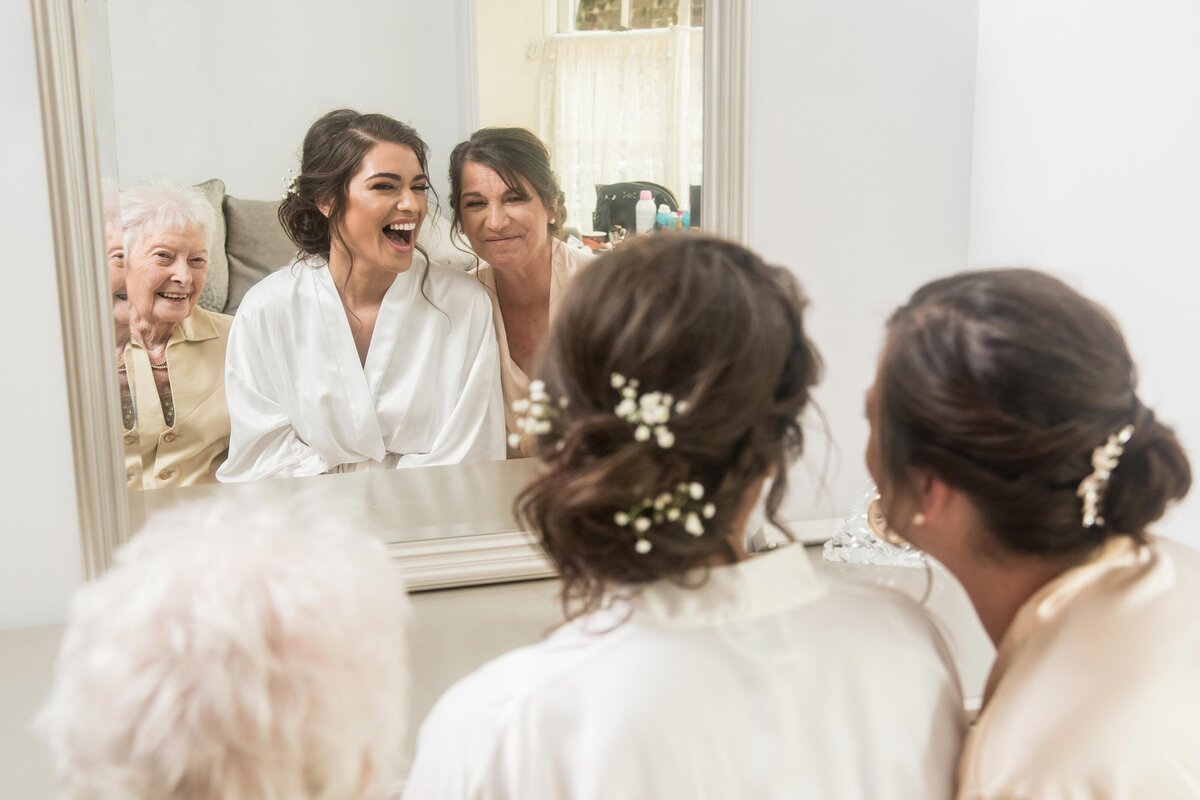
(688,668)
(362,355)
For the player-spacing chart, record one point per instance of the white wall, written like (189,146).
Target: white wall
(227,88)
(860,171)
(509,79)
(1087,163)
(40,562)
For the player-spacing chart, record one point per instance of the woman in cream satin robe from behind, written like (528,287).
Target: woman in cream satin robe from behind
(1009,442)
(361,354)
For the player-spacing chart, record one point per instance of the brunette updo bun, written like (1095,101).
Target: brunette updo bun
(331,155)
(1002,383)
(708,322)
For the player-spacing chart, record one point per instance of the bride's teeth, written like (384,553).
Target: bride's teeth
(403,226)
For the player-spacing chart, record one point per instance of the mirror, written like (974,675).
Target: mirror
(181,106)
(613,87)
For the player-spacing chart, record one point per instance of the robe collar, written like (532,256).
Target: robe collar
(761,586)
(197,327)
(1052,601)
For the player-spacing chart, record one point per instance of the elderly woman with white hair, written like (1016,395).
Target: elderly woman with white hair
(176,424)
(235,652)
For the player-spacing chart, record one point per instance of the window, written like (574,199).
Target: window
(615,15)
(623,102)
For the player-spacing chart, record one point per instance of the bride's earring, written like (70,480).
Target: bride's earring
(918,519)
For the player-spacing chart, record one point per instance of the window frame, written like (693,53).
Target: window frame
(561,15)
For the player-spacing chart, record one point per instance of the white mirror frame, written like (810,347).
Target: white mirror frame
(73,175)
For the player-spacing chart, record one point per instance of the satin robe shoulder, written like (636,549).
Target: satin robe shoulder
(764,682)
(190,451)
(1095,692)
(301,403)
(565,262)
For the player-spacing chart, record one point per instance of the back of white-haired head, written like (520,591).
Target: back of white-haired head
(235,652)
(159,205)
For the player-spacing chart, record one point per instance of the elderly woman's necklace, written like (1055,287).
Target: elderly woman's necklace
(127,412)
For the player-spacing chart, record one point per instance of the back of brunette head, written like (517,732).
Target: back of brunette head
(514,154)
(1002,383)
(709,323)
(332,154)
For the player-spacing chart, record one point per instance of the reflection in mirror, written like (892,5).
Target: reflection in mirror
(613,89)
(171,368)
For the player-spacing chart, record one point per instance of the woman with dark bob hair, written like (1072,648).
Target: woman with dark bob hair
(687,669)
(507,202)
(1008,441)
(363,354)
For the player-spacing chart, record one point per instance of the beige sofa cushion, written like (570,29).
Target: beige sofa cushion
(216,288)
(256,245)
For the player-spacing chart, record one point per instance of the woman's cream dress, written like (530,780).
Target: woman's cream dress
(565,262)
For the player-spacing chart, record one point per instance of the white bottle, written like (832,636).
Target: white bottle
(643,212)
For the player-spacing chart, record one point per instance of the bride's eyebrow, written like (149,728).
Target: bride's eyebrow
(420,176)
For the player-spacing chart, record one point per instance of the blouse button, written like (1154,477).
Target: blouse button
(168,437)
(164,474)
(129,438)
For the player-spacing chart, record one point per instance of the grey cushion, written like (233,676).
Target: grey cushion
(256,245)
(442,247)
(216,288)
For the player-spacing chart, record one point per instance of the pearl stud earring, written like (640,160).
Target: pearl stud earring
(918,519)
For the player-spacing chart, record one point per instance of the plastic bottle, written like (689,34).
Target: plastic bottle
(665,218)
(643,212)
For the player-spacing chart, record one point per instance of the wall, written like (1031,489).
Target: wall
(860,174)
(506,32)
(1087,164)
(40,562)
(227,88)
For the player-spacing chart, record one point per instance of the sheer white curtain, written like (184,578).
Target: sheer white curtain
(623,105)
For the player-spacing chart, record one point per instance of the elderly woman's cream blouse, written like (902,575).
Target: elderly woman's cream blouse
(188,452)
(565,261)
(1096,688)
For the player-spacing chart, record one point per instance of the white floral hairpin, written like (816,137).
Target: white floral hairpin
(649,413)
(289,183)
(1104,461)
(681,506)
(535,414)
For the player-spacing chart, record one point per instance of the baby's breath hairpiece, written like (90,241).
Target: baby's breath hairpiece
(682,506)
(1104,461)
(535,414)
(649,413)
(289,183)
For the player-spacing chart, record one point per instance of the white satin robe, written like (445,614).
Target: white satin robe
(766,682)
(301,402)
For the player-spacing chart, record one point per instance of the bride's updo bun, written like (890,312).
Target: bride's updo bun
(706,322)
(1003,383)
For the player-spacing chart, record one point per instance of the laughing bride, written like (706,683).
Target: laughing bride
(362,354)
